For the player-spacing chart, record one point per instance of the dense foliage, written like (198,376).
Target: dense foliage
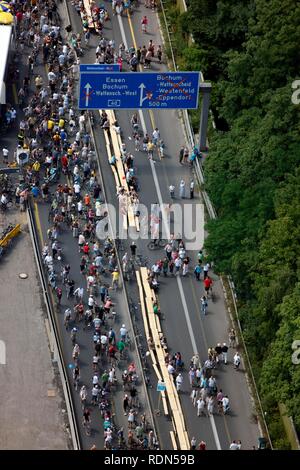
(250,51)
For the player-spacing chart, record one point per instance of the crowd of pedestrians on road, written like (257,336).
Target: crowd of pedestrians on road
(62,157)
(62,173)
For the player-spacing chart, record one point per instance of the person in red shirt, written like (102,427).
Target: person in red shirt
(87,200)
(202,445)
(92,270)
(64,161)
(19,16)
(86,249)
(207,284)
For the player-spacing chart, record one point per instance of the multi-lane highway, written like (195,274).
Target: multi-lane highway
(186,329)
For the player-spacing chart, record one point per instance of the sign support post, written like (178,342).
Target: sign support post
(205,90)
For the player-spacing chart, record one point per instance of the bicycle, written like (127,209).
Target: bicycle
(157,243)
(128,342)
(141,261)
(87,426)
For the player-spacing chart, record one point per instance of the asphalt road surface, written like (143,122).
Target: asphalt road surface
(186,329)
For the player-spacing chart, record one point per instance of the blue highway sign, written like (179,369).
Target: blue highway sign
(138,90)
(99,68)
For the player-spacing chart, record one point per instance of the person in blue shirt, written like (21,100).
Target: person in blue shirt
(113,161)
(197,271)
(63,135)
(35,191)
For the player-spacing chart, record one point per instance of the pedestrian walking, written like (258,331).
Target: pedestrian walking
(197,271)
(236,360)
(181,152)
(210,405)
(224,353)
(204,305)
(179,382)
(182,189)
(125,404)
(58,291)
(201,407)
(194,396)
(192,185)
(232,338)
(5,153)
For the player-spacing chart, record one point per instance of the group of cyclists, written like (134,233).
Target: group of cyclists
(61,172)
(60,144)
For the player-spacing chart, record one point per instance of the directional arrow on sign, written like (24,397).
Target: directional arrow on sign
(142,87)
(87,96)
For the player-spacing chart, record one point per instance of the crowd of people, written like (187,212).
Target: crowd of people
(62,173)
(62,156)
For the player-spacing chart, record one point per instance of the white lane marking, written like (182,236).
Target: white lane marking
(122,31)
(167,231)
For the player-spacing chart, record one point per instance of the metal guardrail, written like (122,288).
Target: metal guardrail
(58,353)
(213,215)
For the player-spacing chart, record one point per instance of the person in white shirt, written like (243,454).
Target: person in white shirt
(200,407)
(178,264)
(48,260)
(76,170)
(81,241)
(79,207)
(182,189)
(234,446)
(236,360)
(171,369)
(51,76)
(155,136)
(225,404)
(78,293)
(103,340)
(172,191)
(91,301)
(95,379)
(76,187)
(123,332)
(205,270)
(81,121)
(111,375)
(5,153)
(210,405)
(179,382)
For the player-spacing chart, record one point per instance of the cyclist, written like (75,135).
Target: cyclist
(86,421)
(133,249)
(83,395)
(76,353)
(161,148)
(207,285)
(67,317)
(134,122)
(203,304)
(144,23)
(172,191)
(236,360)
(4,201)
(155,136)
(73,335)
(76,377)
(225,404)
